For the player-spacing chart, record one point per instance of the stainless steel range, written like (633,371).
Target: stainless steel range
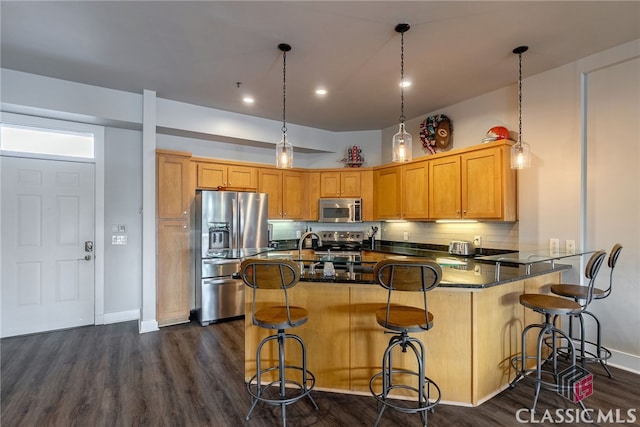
(341,243)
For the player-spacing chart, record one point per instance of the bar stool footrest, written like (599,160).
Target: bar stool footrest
(301,388)
(591,350)
(431,393)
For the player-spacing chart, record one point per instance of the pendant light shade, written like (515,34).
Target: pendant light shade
(520,151)
(402,148)
(284,149)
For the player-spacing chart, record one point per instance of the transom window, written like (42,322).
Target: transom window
(50,142)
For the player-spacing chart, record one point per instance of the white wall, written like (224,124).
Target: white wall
(123,204)
(613,196)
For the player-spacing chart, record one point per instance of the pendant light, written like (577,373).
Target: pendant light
(520,151)
(284,149)
(402,140)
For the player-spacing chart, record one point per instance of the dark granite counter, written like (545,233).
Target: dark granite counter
(458,272)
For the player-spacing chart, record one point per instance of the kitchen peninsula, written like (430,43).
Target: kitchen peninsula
(477,323)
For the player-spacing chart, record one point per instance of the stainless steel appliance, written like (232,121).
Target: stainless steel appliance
(462,248)
(340,210)
(230,226)
(340,243)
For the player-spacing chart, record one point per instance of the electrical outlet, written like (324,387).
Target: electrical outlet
(554,245)
(477,241)
(406,235)
(570,246)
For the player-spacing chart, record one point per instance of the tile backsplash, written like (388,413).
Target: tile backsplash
(494,235)
(498,235)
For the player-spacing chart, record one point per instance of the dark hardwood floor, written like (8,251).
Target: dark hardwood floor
(188,375)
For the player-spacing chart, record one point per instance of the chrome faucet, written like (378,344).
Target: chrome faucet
(304,236)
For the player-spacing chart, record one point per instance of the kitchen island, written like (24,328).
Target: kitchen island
(477,325)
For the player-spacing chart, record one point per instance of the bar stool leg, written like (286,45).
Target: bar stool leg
(388,384)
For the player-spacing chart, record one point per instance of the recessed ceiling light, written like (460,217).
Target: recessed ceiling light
(321,91)
(248,100)
(405,84)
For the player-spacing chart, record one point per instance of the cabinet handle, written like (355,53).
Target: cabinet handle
(184,213)
(184,226)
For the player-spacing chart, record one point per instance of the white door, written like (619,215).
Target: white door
(47,245)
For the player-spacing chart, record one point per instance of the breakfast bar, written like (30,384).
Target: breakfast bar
(477,321)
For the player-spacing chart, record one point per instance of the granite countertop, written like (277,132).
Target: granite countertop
(458,272)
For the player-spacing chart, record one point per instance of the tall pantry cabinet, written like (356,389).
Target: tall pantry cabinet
(173,196)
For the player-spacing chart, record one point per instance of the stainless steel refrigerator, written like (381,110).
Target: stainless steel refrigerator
(231,226)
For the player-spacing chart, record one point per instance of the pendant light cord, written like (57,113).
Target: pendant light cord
(402,77)
(284,92)
(520,98)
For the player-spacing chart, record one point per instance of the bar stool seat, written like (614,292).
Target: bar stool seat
(411,276)
(284,389)
(590,351)
(551,305)
(403,318)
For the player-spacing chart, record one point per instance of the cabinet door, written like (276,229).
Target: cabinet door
(212,175)
(313,194)
(482,184)
(172,300)
(350,184)
(415,197)
(387,193)
(444,188)
(172,182)
(366,192)
(242,177)
(294,199)
(329,184)
(270,182)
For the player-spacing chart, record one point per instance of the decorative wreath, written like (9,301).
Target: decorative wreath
(435,132)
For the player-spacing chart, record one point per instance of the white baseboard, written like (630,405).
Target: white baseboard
(147,326)
(120,316)
(626,361)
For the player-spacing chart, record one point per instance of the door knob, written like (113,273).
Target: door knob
(86,258)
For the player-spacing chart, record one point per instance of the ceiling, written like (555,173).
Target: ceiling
(195,52)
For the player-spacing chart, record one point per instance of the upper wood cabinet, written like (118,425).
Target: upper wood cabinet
(340,184)
(444,188)
(172,180)
(286,190)
(218,176)
(366,193)
(476,184)
(387,199)
(488,185)
(415,198)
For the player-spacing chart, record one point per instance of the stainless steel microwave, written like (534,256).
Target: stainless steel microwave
(340,210)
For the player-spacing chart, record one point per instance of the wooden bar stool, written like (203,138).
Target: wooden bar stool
(408,276)
(284,390)
(590,351)
(550,305)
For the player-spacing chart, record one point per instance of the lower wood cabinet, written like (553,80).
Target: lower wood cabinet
(172,272)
